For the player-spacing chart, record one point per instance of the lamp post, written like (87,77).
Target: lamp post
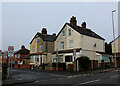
(114,38)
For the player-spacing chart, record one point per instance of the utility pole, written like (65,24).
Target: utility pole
(114,38)
(74,55)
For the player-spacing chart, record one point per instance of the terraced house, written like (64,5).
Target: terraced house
(117,46)
(80,39)
(41,47)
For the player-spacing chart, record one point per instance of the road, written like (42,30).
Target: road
(109,78)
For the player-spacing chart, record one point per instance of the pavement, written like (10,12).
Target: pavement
(21,76)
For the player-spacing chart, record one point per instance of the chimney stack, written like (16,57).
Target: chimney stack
(44,31)
(83,25)
(22,47)
(54,34)
(73,21)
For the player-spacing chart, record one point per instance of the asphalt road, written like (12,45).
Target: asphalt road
(106,78)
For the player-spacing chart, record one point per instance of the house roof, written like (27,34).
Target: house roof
(83,31)
(23,51)
(45,37)
(115,39)
(67,51)
(38,53)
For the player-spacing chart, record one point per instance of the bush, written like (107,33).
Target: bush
(84,62)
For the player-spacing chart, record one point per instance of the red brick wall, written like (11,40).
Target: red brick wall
(15,66)
(25,66)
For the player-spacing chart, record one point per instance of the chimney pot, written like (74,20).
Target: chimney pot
(22,47)
(54,34)
(44,31)
(83,25)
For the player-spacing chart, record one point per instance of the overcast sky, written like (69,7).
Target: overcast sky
(21,21)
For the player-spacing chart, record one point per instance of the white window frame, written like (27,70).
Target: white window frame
(63,33)
(40,48)
(33,47)
(62,45)
(69,32)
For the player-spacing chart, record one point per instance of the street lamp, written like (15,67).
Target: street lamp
(114,38)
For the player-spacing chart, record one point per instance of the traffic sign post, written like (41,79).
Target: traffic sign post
(10,55)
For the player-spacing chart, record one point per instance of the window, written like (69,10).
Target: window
(71,43)
(68,58)
(62,44)
(31,59)
(18,55)
(15,56)
(69,32)
(40,48)
(38,39)
(63,33)
(37,58)
(33,50)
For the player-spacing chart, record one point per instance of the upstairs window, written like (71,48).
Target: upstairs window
(63,33)
(16,56)
(69,32)
(33,49)
(38,39)
(62,45)
(40,48)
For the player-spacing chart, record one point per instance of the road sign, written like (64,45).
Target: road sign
(10,51)
(10,55)
(10,48)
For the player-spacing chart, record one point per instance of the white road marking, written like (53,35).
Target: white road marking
(91,81)
(20,79)
(69,76)
(114,76)
(87,82)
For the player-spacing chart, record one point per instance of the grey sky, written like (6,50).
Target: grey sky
(21,21)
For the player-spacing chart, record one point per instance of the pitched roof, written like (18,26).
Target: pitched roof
(23,51)
(67,51)
(45,37)
(38,53)
(83,31)
(115,39)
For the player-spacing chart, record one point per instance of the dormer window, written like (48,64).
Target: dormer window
(69,32)
(63,33)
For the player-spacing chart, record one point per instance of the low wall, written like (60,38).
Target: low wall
(15,65)
(25,66)
(22,66)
